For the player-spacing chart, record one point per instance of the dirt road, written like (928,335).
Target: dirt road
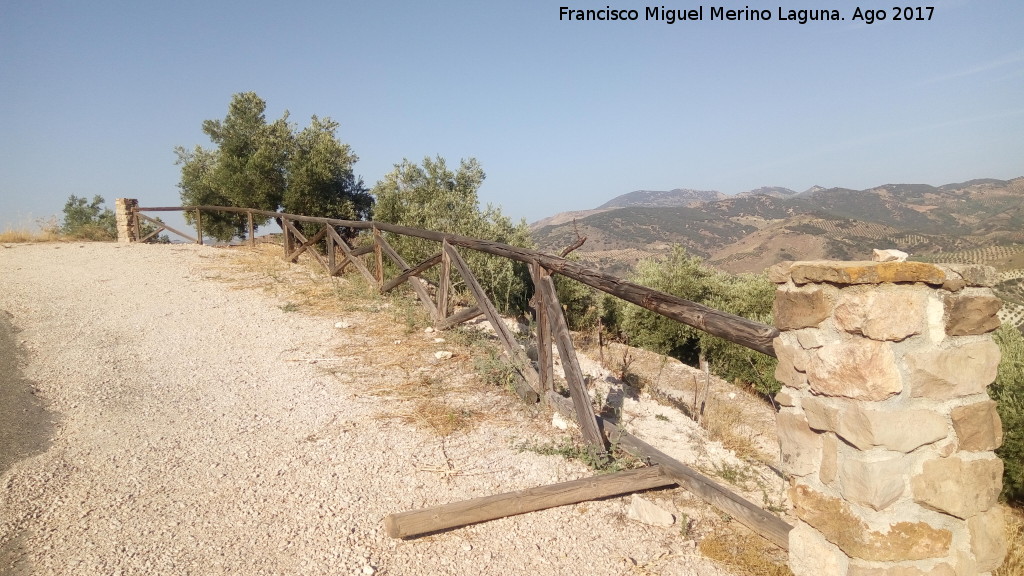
(206,430)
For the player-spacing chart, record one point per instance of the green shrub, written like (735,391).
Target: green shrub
(86,220)
(686,276)
(1008,391)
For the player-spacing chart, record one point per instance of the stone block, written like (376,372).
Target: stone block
(944,374)
(820,414)
(899,541)
(874,483)
(848,273)
(859,369)
(888,312)
(810,338)
(800,446)
(794,308)
(785,397)
(988,538)
(971,274)
(779,273)
(958,487)
(810,554)
(970,313)
(828,473)
(977,426)
(792,362)
(902,431)
(943,569)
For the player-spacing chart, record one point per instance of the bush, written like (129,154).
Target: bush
(86,220)
(433,197)
(686,276)
(1008,391)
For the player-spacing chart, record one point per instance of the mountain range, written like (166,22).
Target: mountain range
(974,221)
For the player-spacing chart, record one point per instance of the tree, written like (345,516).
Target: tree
(88,220)
(434,197)
(269,166)
(686,276)
(320,177)
(1008,391)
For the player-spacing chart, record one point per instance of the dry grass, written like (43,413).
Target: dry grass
(1014,563)
(724,422)
(47,231)
(741,551)
(429,403)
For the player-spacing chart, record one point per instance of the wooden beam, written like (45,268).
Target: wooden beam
(378,257)
(306,244)
(414,271)
(464,315)
(419,522)
(350,257)
(152,234)
(527,390)
(252,229)
(771,527)
(159,223)
(545,361)
(443,285)
(199,227)
(585,416)
(417,284)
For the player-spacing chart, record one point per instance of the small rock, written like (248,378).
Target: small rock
(889,256)
(398,341)
(649,513)
(438,340)
(342,324)
(442,355)
(732,395)
(428,329)
(367,569)
(558,421)
(467,547)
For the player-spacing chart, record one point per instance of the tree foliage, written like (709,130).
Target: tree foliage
(1008,392)
(687,276)
(270,166)
(88,220)
(434,197)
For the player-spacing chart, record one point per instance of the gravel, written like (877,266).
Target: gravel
(206,430)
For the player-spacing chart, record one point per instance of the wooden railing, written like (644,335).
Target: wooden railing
(537,383)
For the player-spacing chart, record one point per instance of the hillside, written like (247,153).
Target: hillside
(975,221)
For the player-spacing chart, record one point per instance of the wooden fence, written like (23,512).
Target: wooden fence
(537,382)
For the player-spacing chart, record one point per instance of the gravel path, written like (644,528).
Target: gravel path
(205,430)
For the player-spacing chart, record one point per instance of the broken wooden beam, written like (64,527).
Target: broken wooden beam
(771,527)
(418,522)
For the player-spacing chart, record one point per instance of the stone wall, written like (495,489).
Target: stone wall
(124,209)
(886,429)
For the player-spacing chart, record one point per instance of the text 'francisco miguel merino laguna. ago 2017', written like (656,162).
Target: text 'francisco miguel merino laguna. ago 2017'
(721,13)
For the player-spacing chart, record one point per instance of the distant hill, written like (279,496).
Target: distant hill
(974,221)
(656,198)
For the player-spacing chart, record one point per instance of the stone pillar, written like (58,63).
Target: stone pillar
(885,426)
(124,213)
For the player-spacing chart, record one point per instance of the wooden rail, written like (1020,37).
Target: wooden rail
(536,383)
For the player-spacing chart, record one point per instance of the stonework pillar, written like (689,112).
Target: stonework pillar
(124,213)
(886,428)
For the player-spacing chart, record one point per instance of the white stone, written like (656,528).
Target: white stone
(649,513)
(558,421)
(890,255)
(442,355)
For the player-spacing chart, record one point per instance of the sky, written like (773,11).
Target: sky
(562,114)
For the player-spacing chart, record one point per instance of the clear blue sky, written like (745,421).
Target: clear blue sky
(94,96)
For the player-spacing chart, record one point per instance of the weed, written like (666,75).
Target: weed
(612,461)
(1014,562)
(661,417)
(740,550)
(289,307)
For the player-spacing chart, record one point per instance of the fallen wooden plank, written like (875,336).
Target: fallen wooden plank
(419,522)
(464,315)
(768,525)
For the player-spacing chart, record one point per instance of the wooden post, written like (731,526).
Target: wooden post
(443,286)
(378,256)
(199,227)
(137,225)
(418,522)
(571,365)
(287,238)
(545,361)
(332,266)
(252,229)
